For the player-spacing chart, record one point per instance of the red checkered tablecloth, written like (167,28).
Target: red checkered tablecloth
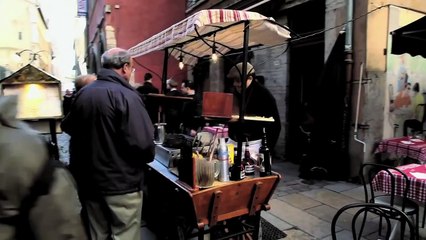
(404,147)
(416,174)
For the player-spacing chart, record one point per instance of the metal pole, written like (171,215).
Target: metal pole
(164,82)
(235,172)
(348,89)
(165,66)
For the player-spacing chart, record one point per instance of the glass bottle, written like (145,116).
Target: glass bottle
(248,162)
(222,150)
(264,157)
(242,171)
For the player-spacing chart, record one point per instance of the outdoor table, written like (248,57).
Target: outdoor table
(416,174)
(404,147)
(175,206)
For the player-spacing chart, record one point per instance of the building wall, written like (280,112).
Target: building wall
(275,72)
(126,23)
(371,49)
(23,28)
(95,17)
(80,45)
(210,4)
(335,15)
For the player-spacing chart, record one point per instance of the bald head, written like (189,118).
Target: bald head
(83,80)
(115,58)
(119,60)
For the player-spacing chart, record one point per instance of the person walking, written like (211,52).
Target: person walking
(83,80)
(151,105)
(37,199)
(67,101)
(112,138)
(79,82)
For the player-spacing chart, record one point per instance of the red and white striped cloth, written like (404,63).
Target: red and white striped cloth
(263,31)
(416,174)
(404,147)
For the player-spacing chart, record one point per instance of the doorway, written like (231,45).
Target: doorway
(306,63)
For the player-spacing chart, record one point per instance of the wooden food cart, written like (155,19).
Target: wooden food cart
(183,207)
(180,211)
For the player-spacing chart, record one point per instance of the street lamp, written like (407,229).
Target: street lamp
(33,55)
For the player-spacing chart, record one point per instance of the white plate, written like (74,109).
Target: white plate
(407,142)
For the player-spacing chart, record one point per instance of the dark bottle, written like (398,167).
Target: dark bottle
(248,162)
(264,158)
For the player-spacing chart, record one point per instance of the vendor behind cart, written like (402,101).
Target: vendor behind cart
(258,102)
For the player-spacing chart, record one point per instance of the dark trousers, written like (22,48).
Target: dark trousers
(414,124)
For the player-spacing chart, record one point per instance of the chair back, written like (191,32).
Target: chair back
(227,201)
(370,172)
(362,210)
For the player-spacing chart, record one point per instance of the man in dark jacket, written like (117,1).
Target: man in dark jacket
(173,108)
(151,105)
(258,102)
(191,110)
(111,140)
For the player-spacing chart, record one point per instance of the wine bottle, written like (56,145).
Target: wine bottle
(264,157)
(242,171)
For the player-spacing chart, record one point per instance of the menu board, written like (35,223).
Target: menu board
(36,101)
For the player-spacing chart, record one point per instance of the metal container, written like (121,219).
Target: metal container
(159,133)
(167,156)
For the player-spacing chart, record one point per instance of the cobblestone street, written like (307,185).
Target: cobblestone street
(63,145)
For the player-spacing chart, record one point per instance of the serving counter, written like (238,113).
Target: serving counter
(176,210)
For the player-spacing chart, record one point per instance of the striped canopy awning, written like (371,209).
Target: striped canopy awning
(193,37)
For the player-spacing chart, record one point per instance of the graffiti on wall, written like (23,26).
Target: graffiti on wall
(406,82)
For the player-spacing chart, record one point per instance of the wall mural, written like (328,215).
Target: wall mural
(405,80)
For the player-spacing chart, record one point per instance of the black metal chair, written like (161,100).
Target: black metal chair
(401,202)
(384,211)
(414,124)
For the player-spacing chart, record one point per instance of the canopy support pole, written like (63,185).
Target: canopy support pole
(164,82)
(165,66)
(236,170)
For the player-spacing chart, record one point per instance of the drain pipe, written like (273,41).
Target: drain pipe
(357,108)
(349,68)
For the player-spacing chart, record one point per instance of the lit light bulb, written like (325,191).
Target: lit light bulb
(181,65)
(214,57)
